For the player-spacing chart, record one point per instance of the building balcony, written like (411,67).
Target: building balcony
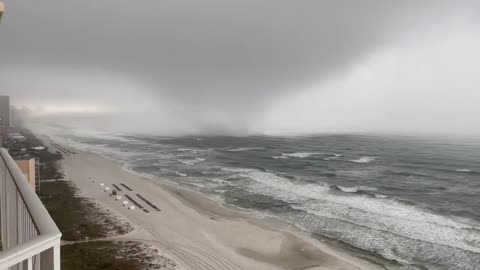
(29,237)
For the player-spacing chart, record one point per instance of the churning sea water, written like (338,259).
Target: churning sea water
(405,202)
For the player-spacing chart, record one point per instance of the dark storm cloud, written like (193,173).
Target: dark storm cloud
(193,47)
(227,57)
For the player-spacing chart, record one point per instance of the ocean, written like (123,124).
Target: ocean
(401,202)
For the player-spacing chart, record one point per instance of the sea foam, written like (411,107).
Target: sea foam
(364,160)
(299,154)
(242,149)
(377,212)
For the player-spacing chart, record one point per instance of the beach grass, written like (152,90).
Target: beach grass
(79,218)
(116,255)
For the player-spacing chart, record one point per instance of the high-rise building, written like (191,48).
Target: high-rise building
(30,168)
(2,8)
(4,113)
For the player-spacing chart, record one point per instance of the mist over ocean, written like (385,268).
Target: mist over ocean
(413,201)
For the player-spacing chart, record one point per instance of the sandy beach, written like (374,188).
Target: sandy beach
(195,231)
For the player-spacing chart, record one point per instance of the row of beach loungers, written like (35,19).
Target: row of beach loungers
(130,199)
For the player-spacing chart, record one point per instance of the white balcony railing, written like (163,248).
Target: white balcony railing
(30,238)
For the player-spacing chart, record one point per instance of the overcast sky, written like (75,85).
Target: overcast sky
(239,67)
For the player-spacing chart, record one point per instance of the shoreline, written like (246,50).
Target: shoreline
(224,237)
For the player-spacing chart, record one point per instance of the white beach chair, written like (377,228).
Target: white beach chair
(118,198)
(125,203)
(131,207)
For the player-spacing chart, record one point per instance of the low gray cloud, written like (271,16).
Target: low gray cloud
(212,63)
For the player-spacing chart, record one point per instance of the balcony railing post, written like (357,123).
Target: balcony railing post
(56,257)
(46,259)
(29,264)
(50,258)
(30,238)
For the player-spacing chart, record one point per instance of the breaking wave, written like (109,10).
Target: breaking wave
(242,149)
(298,155)
(191,162)
(354,189)
(364,160)
(371,214)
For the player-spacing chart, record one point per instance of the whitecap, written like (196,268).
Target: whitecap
(364,160)
(237,170)
(333,157)
(196,185)
(181,174)
(218,180)
(299,154)
(185,149)
(192,150)
(191,162)
(356,189)
(241,149)
(463,170)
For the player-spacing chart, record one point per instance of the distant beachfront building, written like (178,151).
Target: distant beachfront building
(2,8)
(4,100)
(4,113)
(31,169)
